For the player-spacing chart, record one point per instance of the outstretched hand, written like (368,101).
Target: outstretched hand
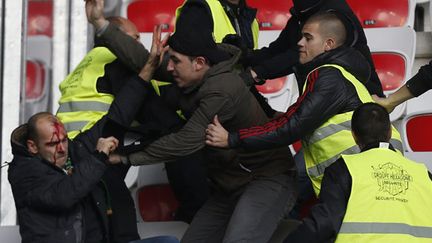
(216,135)
(157,51)
(94,12)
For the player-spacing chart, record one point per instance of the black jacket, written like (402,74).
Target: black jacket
(50,203)
(325,219)
(327,94)
(282,54)
(422,81)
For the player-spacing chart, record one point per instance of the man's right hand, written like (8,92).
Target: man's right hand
(107,145)
(94,11)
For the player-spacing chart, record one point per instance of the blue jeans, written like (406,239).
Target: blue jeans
(158,239)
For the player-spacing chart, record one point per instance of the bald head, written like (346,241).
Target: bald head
(126,26)
(330,26)
(35,120)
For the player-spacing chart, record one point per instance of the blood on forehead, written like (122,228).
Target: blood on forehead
(59,130)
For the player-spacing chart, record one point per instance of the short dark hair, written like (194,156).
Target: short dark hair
(371,124)
(32,131)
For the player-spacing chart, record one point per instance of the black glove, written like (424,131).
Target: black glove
(246,75)
(237,41)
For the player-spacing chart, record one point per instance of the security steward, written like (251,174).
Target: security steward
(374,196)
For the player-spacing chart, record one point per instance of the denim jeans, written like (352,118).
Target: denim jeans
(157,239)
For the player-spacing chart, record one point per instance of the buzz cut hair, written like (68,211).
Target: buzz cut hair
(330,26)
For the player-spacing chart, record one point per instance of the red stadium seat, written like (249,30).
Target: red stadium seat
(418,132)
(35,80)
(390,68)
(382,13)
(272,15)
(157,203)
(272,85)
(145,14)
(40,17)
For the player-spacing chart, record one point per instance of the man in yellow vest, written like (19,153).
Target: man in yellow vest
(333,86)
(374,196)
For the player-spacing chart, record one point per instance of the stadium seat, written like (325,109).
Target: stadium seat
(157,203)
(40,17)
(418,132)
(35,80)
(278,92)
(390,68)
(384,13)
(393,57)
(154,197)
(272,15)
(148,13)
(38,88)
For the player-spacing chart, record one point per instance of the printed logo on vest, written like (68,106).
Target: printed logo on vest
(392,179)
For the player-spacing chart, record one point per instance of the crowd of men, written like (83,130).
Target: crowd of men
(191,102)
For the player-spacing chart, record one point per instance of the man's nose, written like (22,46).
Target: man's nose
(300,42)
(61,147)
(170,66)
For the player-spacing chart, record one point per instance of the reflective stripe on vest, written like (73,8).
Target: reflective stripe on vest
(222,25)
(325,144)
(81,105)
(385,228)
(389,199)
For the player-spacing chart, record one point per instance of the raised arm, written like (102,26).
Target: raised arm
(414,87)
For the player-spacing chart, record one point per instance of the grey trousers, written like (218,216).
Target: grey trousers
(250,215)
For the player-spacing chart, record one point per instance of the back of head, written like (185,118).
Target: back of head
(331,26)
(125,25)
(371,124)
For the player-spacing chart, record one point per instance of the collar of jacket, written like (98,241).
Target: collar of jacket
(376,145)
(347,57)
(221,67)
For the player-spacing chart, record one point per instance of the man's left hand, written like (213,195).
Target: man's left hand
(216,135)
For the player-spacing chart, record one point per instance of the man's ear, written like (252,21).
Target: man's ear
(200,62)
(31,146)
(330,44)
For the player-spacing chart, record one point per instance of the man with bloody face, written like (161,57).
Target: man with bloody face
(55,181)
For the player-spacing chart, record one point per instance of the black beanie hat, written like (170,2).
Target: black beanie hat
(193,37)
(303,5)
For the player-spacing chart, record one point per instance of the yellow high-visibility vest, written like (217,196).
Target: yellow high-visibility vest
(81,105)
(389,200)
(221,23)
(324,145)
